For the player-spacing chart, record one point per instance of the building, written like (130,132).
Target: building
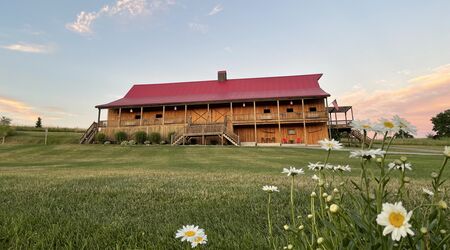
(249,111)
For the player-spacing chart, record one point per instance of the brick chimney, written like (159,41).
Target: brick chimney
(222,76)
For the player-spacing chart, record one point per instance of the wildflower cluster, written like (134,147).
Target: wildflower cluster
(376,212)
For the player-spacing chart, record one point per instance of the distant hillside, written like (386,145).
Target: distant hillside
(50,129)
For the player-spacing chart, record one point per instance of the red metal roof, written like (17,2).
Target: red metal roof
(245,89)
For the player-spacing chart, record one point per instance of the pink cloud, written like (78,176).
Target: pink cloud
(423,98)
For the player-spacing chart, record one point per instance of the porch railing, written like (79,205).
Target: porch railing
(260,117)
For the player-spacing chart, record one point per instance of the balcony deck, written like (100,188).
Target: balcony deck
(236,119)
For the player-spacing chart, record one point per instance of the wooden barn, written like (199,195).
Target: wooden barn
(250,111)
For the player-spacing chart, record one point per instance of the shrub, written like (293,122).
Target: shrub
(155,137)
(131,142)
(121,136)
(100,138)
(140,137)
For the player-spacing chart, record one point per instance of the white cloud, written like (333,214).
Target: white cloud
(84,21)
(198,27)
(228,49)
(218,8)
(28,47)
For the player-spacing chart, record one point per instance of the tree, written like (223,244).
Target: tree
(441,124)
(5,129)
(5,121)
(39,123)
(402,134)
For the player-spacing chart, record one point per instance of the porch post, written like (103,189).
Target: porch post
(231,115)
(329,123)
(305,135)
(164,115)
(279,122)
(351,109)
(142,118)
(120,115)
(345,117)
(98,118)
(208,118)
(254,119)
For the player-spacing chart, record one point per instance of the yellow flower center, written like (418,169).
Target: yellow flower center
(198,239)
(189,233)
(366,126)
(396,219)
(330,145)
(388,124)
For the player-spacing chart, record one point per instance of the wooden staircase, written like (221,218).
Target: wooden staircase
(198,130)
(359,136)
(89,136)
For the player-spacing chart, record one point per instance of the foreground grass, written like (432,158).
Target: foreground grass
(105,196)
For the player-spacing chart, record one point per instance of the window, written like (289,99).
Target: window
(137,117)
(291,132)
(289,110)
(266,111)
(158,116)
(312,109)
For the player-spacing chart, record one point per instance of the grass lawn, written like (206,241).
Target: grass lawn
(108,196)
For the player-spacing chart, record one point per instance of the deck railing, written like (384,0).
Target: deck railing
(237,118)
(206,128)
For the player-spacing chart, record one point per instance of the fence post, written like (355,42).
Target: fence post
(46,135)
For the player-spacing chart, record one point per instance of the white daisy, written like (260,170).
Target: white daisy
(400,165)
(386,125)
(367,154)
(427,191)
(362,125)
(189,232)
(270,189)
(291,171)
(199,240)
(395,219)
(404,125)
(315,177)
(342,168)
(329,145)
(447,151)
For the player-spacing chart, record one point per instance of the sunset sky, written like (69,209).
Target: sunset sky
(58,59)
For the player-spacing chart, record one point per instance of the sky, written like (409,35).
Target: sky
(58,59)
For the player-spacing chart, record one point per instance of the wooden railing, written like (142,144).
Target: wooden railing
(260,117)
(206,129)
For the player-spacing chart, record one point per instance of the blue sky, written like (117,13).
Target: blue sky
(383,57)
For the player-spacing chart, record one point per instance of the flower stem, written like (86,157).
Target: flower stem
(292,202)
(269,221)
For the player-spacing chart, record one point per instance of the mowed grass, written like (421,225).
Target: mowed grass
(108,196)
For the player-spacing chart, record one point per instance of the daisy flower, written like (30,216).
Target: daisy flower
(386,125)
(292,171)
(367,154)
(342,168)
(395,219)
(329,145)
(362,125)
(400,165)
(404,125)
(189,232)
(427,191)
(199,240)
(447,151)
(270,189)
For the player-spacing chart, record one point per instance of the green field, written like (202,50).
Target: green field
(109,196)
